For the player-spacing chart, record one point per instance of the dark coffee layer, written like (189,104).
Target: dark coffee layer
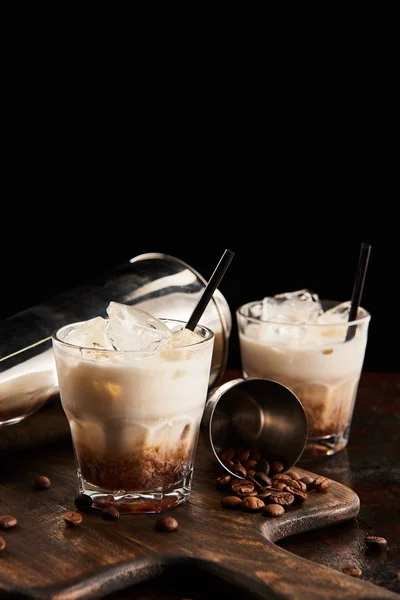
(135,471)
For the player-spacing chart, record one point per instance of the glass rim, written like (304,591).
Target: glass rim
(365,318)
(55,336)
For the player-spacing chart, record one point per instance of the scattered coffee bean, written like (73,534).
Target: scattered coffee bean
(252,504)
(83,502)
(273,510)
(297,485)
(281,497)
(166,524)
(277,467)
(244,487)
(236,484)
(258,489)
(110,513)
(264,495)
(321,484)
(239,470)
(375,542)
(41,482)
(2,543)
(282,477)
(227,455)
(295,476)
(244,456)
(223,481)
(247,494)
(231,502)
(307,480)
(353,571)
(299,497)
(250,464)
(72,519)
(254,481)
(7,521)
(262,478)
(263,466)
(281,485)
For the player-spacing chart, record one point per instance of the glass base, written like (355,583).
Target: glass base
(326,445)
(130,502)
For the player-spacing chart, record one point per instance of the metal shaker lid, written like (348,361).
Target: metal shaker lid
(168,287)
(258,412)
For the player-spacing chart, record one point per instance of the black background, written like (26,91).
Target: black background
(292,187)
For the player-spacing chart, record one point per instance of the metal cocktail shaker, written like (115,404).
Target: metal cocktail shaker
(162,285)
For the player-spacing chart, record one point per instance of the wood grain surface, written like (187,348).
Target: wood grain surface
(231,552)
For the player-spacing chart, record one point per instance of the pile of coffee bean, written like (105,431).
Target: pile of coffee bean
(265,486)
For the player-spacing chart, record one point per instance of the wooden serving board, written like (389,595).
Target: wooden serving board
(232,551)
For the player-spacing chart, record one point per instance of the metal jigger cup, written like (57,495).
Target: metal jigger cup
(256,412)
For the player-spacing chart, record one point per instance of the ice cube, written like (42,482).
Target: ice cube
(337,314)
(302,306)
(183,337)
(285,334)
(91,334)
(131,328)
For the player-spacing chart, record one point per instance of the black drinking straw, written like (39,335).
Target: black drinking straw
(358,287)
(210,289)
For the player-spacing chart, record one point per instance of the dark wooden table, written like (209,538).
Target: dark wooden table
(369,466)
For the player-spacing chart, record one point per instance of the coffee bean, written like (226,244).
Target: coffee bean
(241,487)
(247,494)
(41,482)
(231,502)
(254,481)
(7,521)
(255,454)
(277,466)
(281,485)
(262,478)
(353,571)
(227,455)
(307,480)
(321,484)
(83,502)
(281,477)
(110,513)
(72,519)
(273,510)
(295,476)
(2,543)
(251,472)
(299,497)
(244,456)
(264,495)
(239,470)
(281,497)
(375,543)
(166,524)
(303,487)
(223,481)
(263,466)
(252,504)
(249,464)
(297,485)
